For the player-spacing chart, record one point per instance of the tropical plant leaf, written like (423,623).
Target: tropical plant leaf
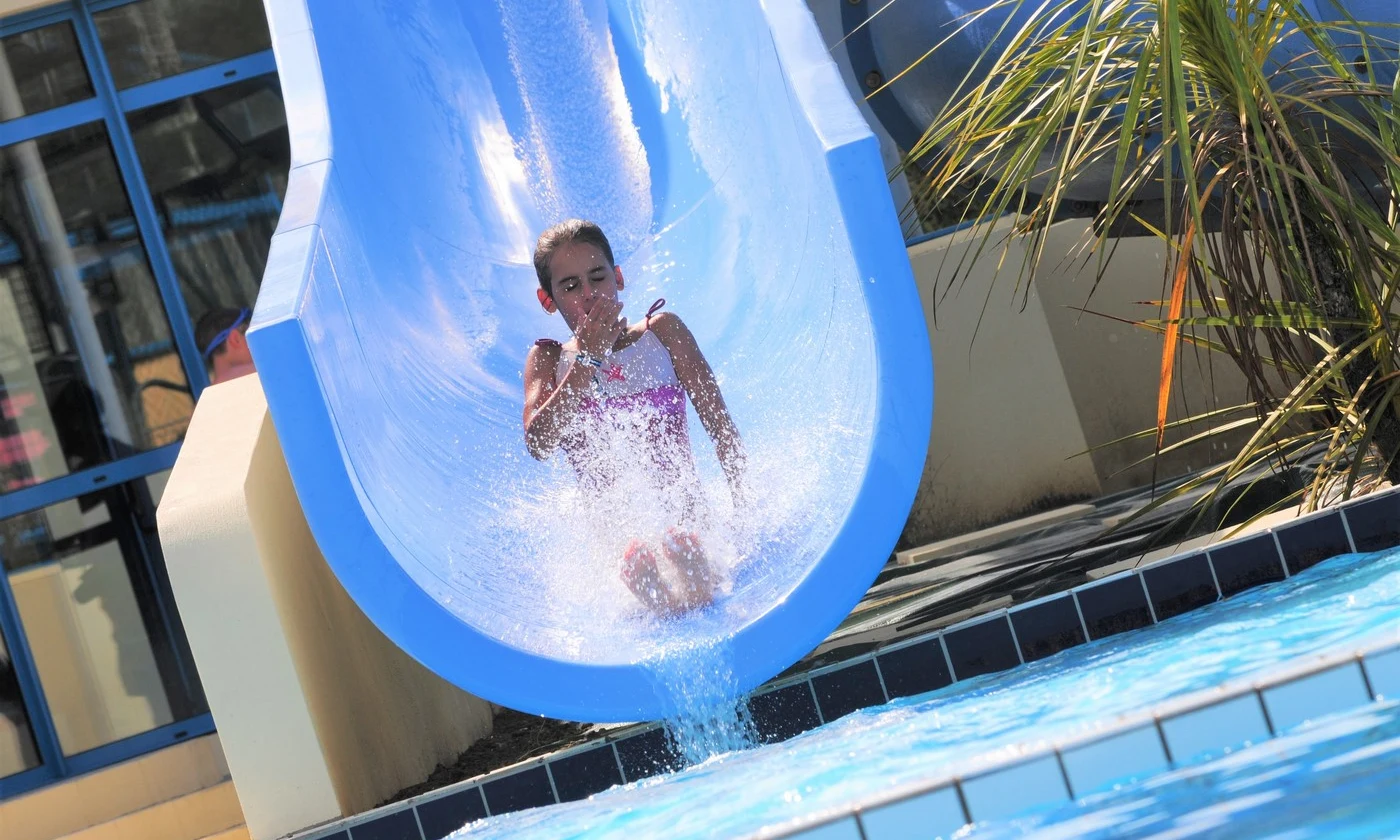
(1173,330)
(1268,143)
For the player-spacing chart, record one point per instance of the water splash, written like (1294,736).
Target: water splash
(710,718)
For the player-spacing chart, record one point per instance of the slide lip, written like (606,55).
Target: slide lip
(345,525)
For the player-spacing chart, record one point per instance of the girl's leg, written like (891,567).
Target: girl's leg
(640,573)
(697,578)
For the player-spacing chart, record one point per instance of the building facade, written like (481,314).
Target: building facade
(143,160)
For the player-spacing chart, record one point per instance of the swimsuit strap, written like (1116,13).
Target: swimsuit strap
(660,302)
(547,342)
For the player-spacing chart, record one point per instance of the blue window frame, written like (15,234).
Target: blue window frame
(111,108)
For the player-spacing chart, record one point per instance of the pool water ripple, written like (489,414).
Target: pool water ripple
(1337,778)
(1345,601)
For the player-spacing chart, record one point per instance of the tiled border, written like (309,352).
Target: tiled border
(984,644)
(1174,734)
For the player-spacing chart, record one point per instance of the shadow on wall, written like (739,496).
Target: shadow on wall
(1031,388)
(17,750)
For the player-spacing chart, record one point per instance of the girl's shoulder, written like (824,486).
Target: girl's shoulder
(543,356)
(666,320)
(546,348)
(664,324)
(667,327)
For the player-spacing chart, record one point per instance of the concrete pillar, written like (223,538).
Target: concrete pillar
(319,714)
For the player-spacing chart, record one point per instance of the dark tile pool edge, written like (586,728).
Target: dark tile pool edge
(982,644)
(1271,700)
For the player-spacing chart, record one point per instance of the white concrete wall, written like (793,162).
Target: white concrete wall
(320,715)
(1005,430)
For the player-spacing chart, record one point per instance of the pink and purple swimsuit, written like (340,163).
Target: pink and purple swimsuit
(632,435)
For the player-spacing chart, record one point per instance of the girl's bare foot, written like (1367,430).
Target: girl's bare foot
(641,575)
(697,579)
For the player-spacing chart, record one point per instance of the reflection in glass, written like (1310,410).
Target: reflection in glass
(41,69)
(155,485)
(83,576)
(88,371)
(17,749)
(216,164)
(152,39)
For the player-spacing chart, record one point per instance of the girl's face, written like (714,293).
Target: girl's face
(580,276)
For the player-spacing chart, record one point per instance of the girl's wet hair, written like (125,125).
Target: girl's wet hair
(565,233)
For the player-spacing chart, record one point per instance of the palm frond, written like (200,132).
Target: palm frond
(1270,140)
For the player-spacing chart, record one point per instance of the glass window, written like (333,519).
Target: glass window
(216,164)
(17,749)
(155,485)
(41,69)
(88,370)
(152,39)
(84,579)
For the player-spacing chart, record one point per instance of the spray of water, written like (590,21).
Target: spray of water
(567,539)
(709,720)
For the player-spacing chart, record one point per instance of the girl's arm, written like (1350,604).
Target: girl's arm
(698,379)
(549,407)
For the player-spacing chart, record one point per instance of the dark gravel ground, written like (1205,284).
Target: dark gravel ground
(515,737)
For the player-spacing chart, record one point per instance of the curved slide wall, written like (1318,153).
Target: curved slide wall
(714,142)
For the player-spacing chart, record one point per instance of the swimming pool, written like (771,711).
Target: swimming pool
(1339,777)
(883,752)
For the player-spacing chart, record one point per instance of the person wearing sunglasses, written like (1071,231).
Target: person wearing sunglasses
(222,337)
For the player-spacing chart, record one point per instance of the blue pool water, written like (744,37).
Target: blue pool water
(1342,602)
(1336,778)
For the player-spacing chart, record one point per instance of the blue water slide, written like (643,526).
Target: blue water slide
(432,140)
